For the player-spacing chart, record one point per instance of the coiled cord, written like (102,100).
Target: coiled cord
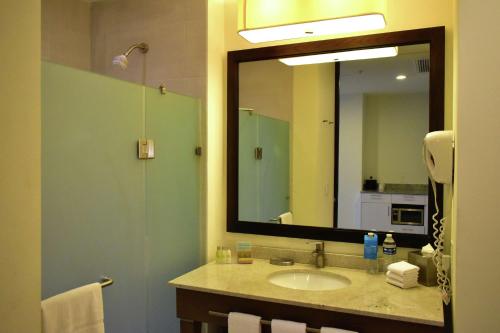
(444,282)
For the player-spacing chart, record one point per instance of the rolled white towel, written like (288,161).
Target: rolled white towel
(411,277)
(286,218)
(243,323)
(285,326)
(402,268)
(334,330)
(399,284)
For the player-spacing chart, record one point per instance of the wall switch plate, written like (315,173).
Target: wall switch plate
(145,149)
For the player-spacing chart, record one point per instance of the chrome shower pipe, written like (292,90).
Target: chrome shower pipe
(143,47)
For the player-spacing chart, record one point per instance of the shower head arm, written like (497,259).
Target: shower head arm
(143,47)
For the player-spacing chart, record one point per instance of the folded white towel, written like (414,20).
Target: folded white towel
(411,277)
(79,310)
(399,284)
(284,326)
(243,323)
(286,218)
(402,268)
(334,330)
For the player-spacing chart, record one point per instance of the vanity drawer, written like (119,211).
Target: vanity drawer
(376,197)
(409,199)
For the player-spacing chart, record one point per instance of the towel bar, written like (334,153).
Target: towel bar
(106,281)
(262,321)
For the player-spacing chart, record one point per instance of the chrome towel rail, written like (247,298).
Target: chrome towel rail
(262,321)
(106,281)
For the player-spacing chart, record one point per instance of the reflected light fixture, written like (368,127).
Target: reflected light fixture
(401,77)
(382,52)
(314,28)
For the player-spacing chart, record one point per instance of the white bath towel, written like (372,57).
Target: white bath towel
(334,330)
(402,268)
(286,218)
(399,284)
(410,277)
(285,326)
(243,323)
(79,310)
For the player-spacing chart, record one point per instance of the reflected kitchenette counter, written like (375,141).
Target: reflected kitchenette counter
(367,295)
(405,189)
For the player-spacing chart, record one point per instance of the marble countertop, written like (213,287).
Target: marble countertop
(367,295)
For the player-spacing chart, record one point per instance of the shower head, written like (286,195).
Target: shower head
(122,59)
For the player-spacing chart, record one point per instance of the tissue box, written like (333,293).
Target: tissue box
(427,274)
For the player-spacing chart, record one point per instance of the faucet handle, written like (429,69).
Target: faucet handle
(320,245)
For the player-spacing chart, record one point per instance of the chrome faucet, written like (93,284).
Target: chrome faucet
(319,254)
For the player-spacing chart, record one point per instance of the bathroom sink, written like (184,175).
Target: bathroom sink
(308,280)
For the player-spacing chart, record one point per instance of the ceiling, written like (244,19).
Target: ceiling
(379,75)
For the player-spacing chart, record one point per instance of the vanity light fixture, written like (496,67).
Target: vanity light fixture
(382,52)
(401,77)
(314,28)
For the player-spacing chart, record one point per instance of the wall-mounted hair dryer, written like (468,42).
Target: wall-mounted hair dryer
(438,156)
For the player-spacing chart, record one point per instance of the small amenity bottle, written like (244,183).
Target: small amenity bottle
(370,252)
(219,259)
(389,249)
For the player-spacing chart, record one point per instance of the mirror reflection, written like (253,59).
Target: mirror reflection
(293,170)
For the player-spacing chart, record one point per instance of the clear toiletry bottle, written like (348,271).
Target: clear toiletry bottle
(219,255)
(389,249)
(370,252)
(227,255)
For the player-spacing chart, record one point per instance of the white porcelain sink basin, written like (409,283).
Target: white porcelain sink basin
(308,280)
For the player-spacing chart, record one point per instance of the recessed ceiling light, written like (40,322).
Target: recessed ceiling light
(401,77)
(382,52)
(315,28)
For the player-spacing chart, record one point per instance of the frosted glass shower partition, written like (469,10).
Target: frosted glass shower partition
(263,181)
(105,211)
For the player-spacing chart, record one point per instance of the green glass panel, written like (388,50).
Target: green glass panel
(172,201)
(263,184)
(107,212)
(274,168)
(93,191)
(248,173)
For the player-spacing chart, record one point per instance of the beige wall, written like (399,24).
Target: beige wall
(476,250)
(399,15)
(20,166)
(393,129)
(312,153)
(215,189)
(88,34)
(266,86)
(175,31)
(66,32)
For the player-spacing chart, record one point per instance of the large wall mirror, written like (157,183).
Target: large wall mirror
(325,138)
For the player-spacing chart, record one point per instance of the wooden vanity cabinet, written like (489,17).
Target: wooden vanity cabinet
(193,309)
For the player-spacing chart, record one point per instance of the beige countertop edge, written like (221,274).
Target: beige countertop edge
(308,305)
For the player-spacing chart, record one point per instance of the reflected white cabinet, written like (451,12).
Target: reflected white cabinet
(376,212)
(374,215)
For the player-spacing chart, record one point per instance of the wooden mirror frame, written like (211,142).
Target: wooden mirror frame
(435,37)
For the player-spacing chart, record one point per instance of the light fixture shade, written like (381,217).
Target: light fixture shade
(382,52)
(315,28)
